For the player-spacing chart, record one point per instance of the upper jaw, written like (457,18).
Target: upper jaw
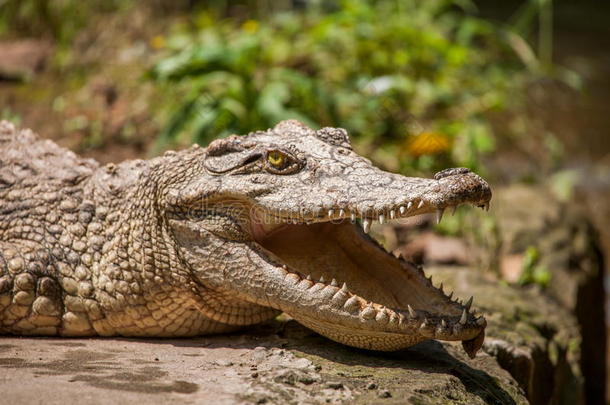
(407,197)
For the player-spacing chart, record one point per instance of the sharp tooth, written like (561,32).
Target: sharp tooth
(468,304)
(424,324)
(421,204)
(392,214)
(455,207)
(487,207)
(439,215)
(409,205)
(308,277)
(412,313)
(443,323)
(440,287)
(334,283)
(353,217)
(321,280)
(402,210)
(381,218)
(344,287)
(366,225)
(401,319)
(341,213)
(450,295)
(464,317)
(330,213)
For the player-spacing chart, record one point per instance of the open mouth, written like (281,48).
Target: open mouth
(366,297)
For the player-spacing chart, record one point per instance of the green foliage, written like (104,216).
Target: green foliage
(7,113)
(532,272)
(407,79)
(58,19)
(563,184)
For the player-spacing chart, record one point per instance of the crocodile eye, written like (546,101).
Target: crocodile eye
(280,162)
(277,159)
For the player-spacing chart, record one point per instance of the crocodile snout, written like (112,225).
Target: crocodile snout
(460,185)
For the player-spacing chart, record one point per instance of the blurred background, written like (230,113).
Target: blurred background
(517,90)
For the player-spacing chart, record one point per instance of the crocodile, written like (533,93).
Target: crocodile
(210,240)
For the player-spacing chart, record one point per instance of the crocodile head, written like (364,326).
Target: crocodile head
(288,211)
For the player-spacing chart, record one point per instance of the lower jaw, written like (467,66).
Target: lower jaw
(360,338)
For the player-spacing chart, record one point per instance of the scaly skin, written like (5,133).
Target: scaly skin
(209,240)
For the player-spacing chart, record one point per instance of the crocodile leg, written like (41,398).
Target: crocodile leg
(30,296)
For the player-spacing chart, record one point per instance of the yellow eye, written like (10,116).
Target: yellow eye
(277,159)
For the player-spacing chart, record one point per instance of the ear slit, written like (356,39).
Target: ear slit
(231,161)
(252,158)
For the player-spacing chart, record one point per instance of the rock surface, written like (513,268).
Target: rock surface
(245,369)
(282,363)
(533,338)
(567,248)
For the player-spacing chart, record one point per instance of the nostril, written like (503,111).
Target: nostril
(451,172)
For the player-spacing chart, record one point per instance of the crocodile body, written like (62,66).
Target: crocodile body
(208,240)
